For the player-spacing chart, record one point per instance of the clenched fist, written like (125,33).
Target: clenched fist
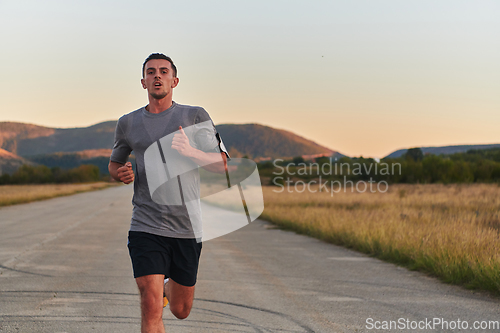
(125,173)
(180,142)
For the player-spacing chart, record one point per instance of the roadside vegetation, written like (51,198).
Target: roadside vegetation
(449,231)
(473,166)
(33,183)
(42,174)
(16,194)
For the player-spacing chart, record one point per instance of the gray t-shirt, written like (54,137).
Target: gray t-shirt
(146,134)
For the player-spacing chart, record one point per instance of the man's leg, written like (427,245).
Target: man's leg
(151,291)
(180,298)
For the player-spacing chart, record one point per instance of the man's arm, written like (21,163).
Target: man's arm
(213,162)
(121,172)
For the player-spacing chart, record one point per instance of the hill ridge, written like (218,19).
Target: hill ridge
(445,150)
(254,140)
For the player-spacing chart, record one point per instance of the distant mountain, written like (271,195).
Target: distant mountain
(12,133)
(10,162)
(445,150)
(99,136)
(256,141)
(50,146)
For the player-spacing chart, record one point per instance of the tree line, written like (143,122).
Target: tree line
(474,166)
(42,174)
(413,167)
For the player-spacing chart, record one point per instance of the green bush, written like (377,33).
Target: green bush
(42,174)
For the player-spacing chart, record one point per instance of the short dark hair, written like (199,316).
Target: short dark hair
(159,56)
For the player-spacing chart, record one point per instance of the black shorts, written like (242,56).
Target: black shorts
(175,258)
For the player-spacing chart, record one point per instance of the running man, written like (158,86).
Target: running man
(163,244)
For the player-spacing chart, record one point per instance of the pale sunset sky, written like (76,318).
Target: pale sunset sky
(360,77)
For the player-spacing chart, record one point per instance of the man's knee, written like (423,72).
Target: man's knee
(181,311)
(181,299)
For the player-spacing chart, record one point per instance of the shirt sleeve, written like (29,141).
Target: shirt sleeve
(121,148)
(206,137)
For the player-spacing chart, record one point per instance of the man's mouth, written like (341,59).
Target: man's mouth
(157,84)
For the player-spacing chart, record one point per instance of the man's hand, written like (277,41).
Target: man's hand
(180,142)
(125,173)
(213,162)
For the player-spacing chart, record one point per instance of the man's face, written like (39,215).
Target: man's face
(159,78)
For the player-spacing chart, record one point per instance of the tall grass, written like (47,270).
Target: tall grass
(450,231)
(16,194)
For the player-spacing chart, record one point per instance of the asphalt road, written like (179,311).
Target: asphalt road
(64,267)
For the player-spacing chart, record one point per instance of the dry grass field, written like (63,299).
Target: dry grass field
(15,194)
(450,231)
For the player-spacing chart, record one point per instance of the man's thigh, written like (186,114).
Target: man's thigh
(178,295)
(151,286)
(150,254)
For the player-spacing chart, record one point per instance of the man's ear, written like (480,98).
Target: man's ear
(143,82)
(175,82)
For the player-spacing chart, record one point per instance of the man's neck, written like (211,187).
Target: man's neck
(158,105)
